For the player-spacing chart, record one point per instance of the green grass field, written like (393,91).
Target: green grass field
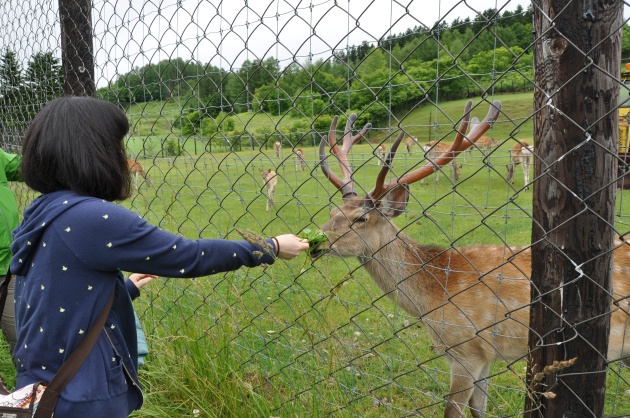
(154,123)
(303,338)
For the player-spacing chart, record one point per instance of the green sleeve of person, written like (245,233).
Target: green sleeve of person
(11,164)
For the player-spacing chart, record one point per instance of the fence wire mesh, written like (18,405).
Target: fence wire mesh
(228,103)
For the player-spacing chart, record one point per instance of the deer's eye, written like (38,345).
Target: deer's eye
(360,219)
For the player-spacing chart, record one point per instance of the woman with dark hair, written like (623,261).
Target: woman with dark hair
(72,245)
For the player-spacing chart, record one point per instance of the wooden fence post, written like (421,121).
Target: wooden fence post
(77,47)
(577,56)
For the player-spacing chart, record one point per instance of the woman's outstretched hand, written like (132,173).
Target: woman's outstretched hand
(290,246)
(140,279)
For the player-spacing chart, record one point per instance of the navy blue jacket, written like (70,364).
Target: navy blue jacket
(69,252)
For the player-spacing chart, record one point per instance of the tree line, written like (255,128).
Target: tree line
(467,57)
(489,53)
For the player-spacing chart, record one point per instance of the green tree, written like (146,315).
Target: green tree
(251,76)
(209,127)
(188,124)
(499,60)
(273,100)
(43,81)
(44,76)
(12,104)
(10,73)
(625,43)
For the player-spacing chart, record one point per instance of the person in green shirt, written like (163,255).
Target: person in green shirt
(9,220)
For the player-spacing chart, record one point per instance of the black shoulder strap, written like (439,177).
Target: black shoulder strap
(70,367)
(4,289)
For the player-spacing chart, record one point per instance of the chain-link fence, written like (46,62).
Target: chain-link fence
(419,302)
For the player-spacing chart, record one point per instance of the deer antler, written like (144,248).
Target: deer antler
(345,186)
(459,145)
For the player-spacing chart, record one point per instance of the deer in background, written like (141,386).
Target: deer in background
(299,159)
(410,142)
(474,301)
(277,147)
(136,170)
(381,152)
(485,144)
(270,178)
(435,149)
(521,153)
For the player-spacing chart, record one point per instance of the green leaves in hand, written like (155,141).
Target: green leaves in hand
(314,237)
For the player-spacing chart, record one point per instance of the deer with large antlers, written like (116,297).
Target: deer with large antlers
(474,301)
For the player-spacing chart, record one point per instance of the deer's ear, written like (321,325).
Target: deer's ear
(394,202)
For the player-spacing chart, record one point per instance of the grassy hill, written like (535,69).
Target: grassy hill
(427,122)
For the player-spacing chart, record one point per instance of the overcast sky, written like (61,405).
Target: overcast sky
(226,33)
(134,33)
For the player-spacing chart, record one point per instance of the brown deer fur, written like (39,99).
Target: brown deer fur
(299,159)
(277,147)
(270,178)
(136,170)
(409,143)
(381,153)
(521,153)
(485,144)
(472,300)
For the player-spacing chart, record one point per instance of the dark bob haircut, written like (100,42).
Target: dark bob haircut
(76,143)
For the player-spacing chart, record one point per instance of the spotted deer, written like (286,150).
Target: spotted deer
(433,150)
(521,153)
(410,142)
(136,170)
(299,159)
(485,144)
(277,147)
(381,152)
(270,178)
(474,301)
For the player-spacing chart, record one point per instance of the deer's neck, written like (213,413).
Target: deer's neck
(399,270)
